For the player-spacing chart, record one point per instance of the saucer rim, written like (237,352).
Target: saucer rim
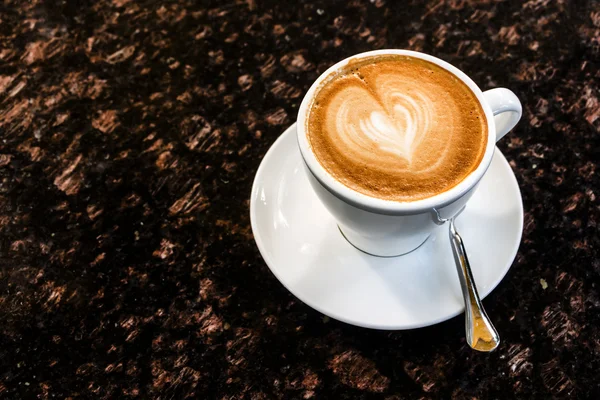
(271,263)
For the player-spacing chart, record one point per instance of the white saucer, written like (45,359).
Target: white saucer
(303,247)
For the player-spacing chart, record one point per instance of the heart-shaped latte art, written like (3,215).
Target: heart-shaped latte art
(397,128)
(394,118)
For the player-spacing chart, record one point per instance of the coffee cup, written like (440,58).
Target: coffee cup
(386,227)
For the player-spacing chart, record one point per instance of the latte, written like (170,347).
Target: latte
(396,128)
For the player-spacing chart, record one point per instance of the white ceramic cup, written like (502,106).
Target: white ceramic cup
(390,228)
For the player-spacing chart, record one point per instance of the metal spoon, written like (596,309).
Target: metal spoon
(481,334)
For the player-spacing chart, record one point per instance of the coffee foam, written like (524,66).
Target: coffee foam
(397,128)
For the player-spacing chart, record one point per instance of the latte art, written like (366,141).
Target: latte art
(397,131)
(397,128)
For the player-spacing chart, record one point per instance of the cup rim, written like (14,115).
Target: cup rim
(392,207)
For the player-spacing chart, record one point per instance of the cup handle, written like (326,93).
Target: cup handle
(506,108)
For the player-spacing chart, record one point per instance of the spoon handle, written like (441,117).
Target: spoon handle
(481,334)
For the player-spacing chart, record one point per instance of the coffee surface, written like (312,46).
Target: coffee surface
(396,128)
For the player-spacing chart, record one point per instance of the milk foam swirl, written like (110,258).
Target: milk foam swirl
(397,128)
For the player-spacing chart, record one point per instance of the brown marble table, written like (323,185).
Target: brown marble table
(130,132)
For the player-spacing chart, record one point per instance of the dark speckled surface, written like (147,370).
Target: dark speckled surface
(130,133)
